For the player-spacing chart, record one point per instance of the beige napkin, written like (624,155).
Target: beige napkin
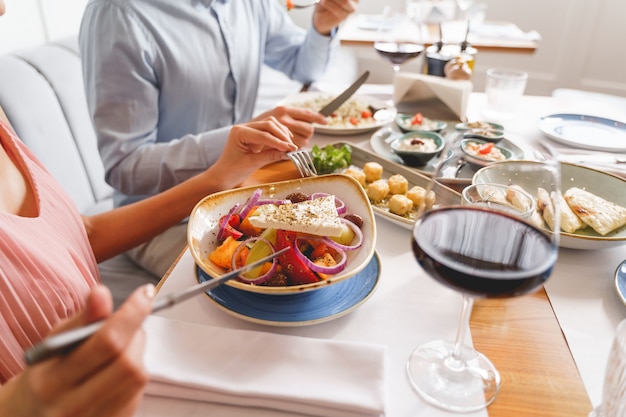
(264,370)
(436,97)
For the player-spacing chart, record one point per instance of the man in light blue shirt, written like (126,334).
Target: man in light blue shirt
(166,80)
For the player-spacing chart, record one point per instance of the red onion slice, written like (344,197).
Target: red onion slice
(357,233)
(328,270)
(250,203)
(225,220)
(261,278)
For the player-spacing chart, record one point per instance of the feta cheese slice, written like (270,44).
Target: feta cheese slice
(316,217)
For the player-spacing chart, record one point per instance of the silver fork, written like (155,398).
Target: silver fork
(303,161)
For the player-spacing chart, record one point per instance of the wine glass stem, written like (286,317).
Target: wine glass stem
(466,312)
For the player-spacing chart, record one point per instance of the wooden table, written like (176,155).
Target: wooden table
(351,35)
(522,338)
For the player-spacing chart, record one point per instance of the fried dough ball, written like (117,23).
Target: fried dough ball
(398,184)
(373,171)
(377,190)
(357,174)
(400,204)
(418,196)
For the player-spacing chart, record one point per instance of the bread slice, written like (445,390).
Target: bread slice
(600,214)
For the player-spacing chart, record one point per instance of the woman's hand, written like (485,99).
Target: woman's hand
(250,146)
(299,122)
(104,376)
(330,13)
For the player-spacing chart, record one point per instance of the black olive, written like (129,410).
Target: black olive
(355,218)
(297,197)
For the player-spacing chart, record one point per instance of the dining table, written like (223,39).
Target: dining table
(550,347)
(487,36)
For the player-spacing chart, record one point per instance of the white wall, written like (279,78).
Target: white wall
(32,22)
(582,43)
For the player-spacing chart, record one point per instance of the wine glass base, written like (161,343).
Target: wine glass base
(466,384)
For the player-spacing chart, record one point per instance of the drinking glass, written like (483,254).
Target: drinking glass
(614,388)
(480,250)
(504,88)
(394,41)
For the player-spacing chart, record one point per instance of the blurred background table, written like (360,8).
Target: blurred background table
(359,30)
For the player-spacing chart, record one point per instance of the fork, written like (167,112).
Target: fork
(303,161)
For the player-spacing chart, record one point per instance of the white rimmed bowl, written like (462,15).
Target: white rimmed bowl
(608,186)
(203,225)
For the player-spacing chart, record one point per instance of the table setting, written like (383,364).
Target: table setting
(357,347)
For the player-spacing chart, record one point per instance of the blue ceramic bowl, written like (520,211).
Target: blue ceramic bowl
(417,148)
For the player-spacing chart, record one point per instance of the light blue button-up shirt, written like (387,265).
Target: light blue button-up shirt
(165,80)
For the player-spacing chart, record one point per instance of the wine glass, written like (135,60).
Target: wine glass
(481,250)
(395,41)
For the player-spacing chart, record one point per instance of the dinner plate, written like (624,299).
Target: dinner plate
(380,143)
(603,184)
(620,281)
(306,99)
(361,156)
(587,132)
(300,309)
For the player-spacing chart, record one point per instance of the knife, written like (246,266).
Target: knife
(64,342)
(341,98)
(593,159)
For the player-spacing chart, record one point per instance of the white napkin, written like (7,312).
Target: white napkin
(436,97)
(264,370)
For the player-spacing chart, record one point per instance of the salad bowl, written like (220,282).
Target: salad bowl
(204,226)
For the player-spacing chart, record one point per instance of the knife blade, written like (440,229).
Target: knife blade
(63,342)
(593,159)
(328,109)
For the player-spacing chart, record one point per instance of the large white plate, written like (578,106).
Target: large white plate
(299,100)
(204,225)
(605,185)
(587,132)
(300,309)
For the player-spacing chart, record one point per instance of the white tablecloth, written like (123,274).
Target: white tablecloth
(409,308)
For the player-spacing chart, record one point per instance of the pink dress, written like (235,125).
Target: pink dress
(47,266)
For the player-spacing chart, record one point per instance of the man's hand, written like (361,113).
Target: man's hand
(330,13)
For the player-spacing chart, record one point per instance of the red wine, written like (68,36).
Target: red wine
(483,253)
(398,52)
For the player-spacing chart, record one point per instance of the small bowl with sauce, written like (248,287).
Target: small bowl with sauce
(482,153)
(417,148)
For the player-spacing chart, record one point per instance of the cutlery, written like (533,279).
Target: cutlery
(63,342)
(343,97)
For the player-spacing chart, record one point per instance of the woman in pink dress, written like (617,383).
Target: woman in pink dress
(49,277)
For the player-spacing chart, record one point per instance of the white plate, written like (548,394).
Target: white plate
(443,193)
(605,185)
(204,225)
(620,281)
(587,132)
(299,100)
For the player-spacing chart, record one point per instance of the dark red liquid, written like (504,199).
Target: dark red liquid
(483,253)
(398,53)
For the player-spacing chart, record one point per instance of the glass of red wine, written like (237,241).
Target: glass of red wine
(483,249)
(397,38)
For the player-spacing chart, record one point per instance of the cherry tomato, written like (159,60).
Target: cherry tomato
(418,119)
(366,114)
(354,121)
(485,148)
